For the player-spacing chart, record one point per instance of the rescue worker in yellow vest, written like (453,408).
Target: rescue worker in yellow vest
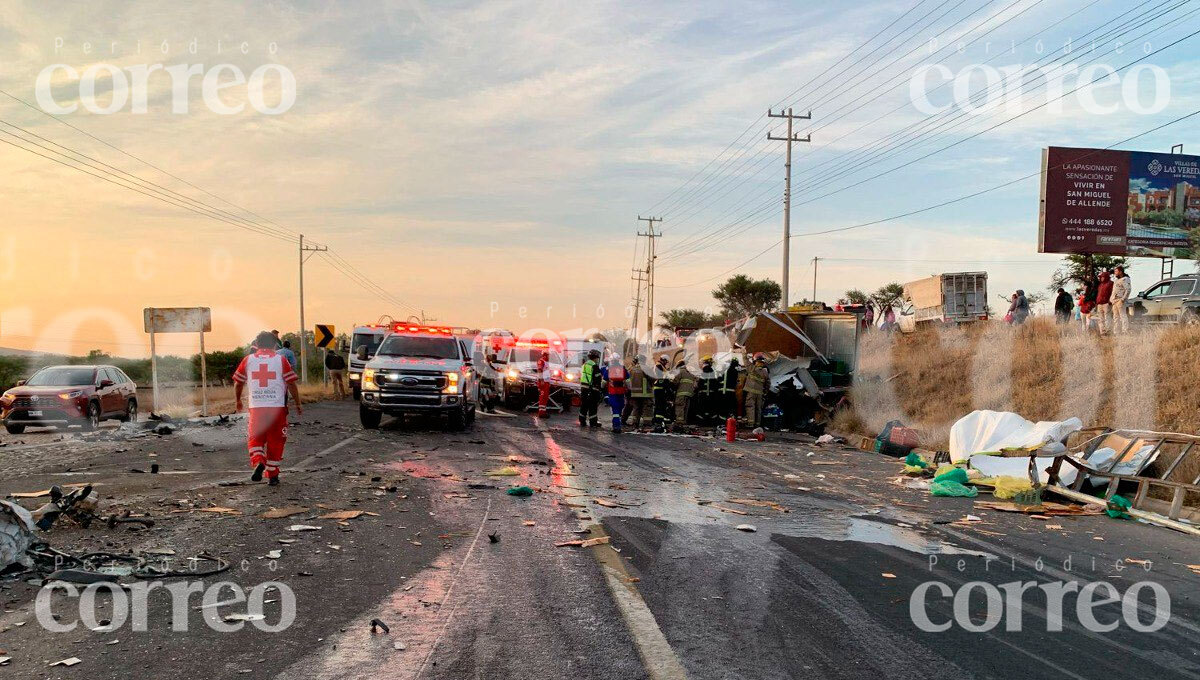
(685,389)
(590,383)
(729,384)
(706,404)
(640,393)
(663,389)
(755,389)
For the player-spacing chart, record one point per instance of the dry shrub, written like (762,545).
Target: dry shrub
(933,377)
(185,402)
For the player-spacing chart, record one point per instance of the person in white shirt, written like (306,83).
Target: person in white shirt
(1122,287)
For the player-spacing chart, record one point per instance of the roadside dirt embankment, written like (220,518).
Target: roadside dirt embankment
(1148,379)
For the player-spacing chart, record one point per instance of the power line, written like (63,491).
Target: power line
(711,238)
(132,182)
(780,103)
(930,207)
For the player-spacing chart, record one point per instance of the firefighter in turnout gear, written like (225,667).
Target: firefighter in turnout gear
(663,391)
(640,393)
(615,377)
(591,381)
(755,390)
(729,385)
(271,379)
(685,389)
(709,392)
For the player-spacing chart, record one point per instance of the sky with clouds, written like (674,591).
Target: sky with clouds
(486,162)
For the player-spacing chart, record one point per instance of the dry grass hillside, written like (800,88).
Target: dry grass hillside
(1148,379)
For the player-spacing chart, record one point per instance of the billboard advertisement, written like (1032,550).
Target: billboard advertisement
(1131,203)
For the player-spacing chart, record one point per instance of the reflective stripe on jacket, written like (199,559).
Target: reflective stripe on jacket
(639,385)
(589,376)
(685,384)
(756,380)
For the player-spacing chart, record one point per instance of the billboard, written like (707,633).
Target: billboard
(1131,203)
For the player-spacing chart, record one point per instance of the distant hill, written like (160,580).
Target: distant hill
(10,352)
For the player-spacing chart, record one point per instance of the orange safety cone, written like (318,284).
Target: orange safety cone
(731,429)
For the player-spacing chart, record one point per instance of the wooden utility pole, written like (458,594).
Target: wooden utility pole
(650,234)
(639,277)
(815,261)
(303,350)
(787,189)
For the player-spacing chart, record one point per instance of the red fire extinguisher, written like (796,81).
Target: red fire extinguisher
(731,429)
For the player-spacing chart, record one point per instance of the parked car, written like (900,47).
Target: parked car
(69,395)
(1173,300)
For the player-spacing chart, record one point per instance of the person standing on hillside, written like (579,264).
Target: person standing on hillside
(1063,306)
(1087,306)
(1122,288)
(270,378)
(1104,302)
(1019,308)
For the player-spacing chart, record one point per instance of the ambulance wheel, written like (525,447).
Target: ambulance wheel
(456,419)
(369,417)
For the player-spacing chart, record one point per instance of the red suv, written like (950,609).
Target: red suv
(66,395)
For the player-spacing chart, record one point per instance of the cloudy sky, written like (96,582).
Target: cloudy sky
(486,162)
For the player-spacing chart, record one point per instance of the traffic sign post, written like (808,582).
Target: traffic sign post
(178,320)
(324,336)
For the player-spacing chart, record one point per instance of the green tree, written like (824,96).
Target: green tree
(684,318)
(1078,268)
(743,296)
(887,296)
(857,297)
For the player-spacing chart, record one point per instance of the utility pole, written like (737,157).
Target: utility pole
(639,277)
(303,344)
(787,189)
(815,260)
(650,257)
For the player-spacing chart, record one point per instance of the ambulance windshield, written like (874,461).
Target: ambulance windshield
(425,347)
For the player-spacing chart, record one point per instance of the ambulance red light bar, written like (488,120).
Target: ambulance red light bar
(538,343)
(414,328)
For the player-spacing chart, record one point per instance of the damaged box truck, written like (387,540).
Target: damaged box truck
(954,298)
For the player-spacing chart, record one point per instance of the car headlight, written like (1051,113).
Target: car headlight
(368,379)
(570,377)
(451,384)
(513,374)
(355,376)
(71,395)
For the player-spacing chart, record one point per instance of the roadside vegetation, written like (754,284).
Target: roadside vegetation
(1042,371)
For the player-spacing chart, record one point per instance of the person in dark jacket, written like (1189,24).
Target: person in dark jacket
(729,391)
(1063,306)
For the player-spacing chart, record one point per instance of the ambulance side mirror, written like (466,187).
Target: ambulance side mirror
(362,353)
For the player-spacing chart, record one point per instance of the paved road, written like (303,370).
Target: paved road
(472,584)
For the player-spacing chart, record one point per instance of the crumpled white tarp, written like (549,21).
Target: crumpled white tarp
(991,431)
(16,534)
(991,466)
(1103,457)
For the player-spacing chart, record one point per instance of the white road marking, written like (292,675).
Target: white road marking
(466,560)
(311,459)
(660,660)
